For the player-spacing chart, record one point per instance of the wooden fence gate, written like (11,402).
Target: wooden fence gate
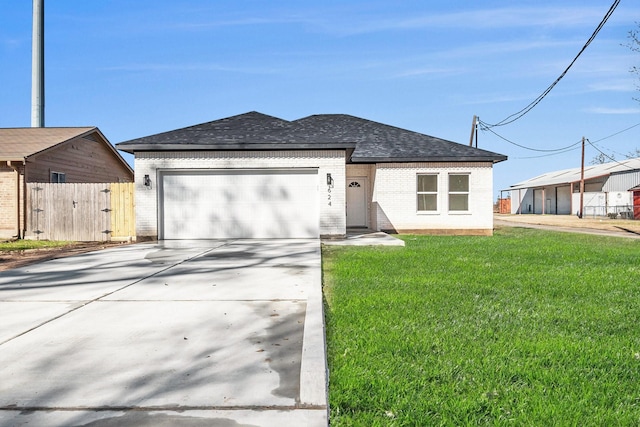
(80,212)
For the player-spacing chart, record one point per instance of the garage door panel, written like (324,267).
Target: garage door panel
(240,204)
(564,200)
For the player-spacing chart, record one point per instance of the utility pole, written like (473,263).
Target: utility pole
(477,119)
(37,65)
(582,182)
(474,131)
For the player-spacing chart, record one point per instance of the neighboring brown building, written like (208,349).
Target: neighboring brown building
(51,155)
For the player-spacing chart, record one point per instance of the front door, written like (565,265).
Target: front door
(356,203)
(636,204)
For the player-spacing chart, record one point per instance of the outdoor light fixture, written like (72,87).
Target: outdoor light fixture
(147,181)
(329,179)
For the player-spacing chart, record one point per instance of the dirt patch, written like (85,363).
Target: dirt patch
(14,259)
(572,221)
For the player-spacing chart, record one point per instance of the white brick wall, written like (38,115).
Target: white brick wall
(395,201)
(391,188)
(367,172)
(331,203)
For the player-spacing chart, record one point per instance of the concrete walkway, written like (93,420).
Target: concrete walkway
(190,333)
(364,237)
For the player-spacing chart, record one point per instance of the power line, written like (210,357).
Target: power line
(617,133)
(611,136)
(609,157)
(600,151)
(556,151)
(553,150)
(546,155)
(515,116)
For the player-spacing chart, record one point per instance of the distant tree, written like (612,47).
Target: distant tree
(634,45)
(633,154)
(602,158)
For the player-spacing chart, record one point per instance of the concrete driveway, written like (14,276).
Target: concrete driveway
(190,333)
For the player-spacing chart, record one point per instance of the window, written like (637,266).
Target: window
(458,192)
(427,192)
(58,177)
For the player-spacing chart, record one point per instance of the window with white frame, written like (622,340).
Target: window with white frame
(58,178)
(427,192)
(458,192)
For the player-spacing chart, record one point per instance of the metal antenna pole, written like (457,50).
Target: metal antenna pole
(37,65)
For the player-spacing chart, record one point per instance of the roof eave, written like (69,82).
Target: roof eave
(554,183)
(131,148)
(428,159)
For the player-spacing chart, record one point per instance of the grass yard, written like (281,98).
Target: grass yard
(525,328)
(20,245)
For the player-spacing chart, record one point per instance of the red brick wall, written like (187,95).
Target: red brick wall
(9,200)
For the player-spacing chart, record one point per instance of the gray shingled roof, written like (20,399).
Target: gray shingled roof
(371,141)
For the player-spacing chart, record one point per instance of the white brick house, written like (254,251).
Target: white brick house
(254,175)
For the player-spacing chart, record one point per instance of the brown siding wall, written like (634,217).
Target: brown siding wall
(81,160)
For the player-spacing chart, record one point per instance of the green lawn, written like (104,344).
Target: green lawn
(527,327)
(19,245)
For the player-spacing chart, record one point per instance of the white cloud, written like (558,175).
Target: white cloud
(616,111)
(612,86)
(430,71)
(189,67)
(508,17)
(497,99)
(248,21)
(11,43)
(334,20)
(499,48)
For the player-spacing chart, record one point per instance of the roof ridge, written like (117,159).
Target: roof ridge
(48,127)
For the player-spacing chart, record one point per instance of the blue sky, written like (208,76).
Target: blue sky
(135,68)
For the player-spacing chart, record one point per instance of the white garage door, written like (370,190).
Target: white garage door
(239,203)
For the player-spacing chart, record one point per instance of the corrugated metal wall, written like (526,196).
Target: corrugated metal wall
(622,181)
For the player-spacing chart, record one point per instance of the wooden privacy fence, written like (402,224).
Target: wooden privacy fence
(80,212)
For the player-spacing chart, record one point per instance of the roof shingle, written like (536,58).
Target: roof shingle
(19,143)
(371,141)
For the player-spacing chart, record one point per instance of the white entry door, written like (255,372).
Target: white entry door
(356,203)
(239,203)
